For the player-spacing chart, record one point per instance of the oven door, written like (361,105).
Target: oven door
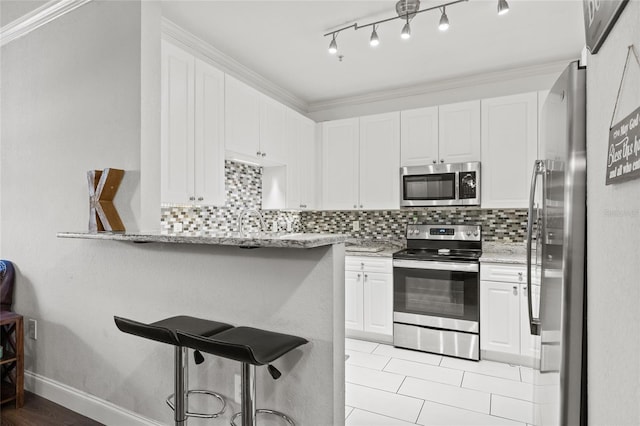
(442,295)
(429,189)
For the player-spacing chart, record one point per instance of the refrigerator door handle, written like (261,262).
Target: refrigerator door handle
(538,169)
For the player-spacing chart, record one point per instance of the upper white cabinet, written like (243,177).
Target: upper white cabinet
(300,143)
(340,164)
(444,134)
(419,137)
(255,124)
(192,129)
(380,161)
(509,149)
(360,163)
(459,132)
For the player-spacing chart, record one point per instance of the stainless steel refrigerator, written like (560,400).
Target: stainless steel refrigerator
(556,248)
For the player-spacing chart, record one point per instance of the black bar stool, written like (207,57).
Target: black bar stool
(250,346)
(165,331)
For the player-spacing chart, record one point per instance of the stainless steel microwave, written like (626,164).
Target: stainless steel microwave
(454,184)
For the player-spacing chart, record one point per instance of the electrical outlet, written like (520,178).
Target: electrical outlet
(33,329)
(355,225)
(177,227)
(237,394)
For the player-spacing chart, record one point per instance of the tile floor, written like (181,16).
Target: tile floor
(387,386)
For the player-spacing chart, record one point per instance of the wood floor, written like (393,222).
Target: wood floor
(38,411)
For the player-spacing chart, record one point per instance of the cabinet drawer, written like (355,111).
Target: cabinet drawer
(370,264)
(503,273)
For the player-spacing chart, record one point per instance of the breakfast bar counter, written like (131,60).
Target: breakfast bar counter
(290,283)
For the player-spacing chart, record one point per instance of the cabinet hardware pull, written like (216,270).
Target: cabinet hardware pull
(258,153)
(192,198)
(515,290)
(360,205)
(355,206)
(442,160)
(520,277)
(264,154)
(434,161)
(366,276)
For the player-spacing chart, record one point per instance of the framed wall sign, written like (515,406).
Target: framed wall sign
(599,18)
(623,155)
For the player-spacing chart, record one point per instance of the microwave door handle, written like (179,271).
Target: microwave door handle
(538,169)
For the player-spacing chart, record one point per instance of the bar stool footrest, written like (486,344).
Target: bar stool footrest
(200,415)
(265,411)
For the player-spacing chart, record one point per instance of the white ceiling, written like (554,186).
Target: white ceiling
(283,41)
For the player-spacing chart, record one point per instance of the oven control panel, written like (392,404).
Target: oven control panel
(444,232)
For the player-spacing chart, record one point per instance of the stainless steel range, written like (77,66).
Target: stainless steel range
(436,290)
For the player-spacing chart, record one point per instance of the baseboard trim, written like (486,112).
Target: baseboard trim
(83,403)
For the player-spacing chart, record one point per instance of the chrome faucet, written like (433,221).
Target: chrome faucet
(246,212)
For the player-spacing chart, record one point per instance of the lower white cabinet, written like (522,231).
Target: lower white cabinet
(500,317)
(368,296)
(504,314)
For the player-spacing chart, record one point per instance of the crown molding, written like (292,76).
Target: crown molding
(36,18)
(442,85)
(196,45)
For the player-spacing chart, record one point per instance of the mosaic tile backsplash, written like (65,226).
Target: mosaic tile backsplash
(243,186)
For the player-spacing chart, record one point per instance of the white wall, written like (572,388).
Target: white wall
(613,235)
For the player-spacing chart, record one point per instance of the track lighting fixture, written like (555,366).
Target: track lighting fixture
(405,10)
(333,46)
(444,20)
(374,40)
(503,7)
(406,31)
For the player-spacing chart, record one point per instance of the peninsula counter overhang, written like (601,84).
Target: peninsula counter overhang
(253,240)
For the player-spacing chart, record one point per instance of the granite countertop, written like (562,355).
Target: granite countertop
(515,253)
(256,239)
(373,248)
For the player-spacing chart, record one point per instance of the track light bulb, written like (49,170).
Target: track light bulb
(333,46)
(406,31)
(444,21)
(374,40)
(503,7)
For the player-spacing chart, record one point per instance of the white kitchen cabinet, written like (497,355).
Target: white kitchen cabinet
(378,303)
(255,125)
(360,163)
(369,297)
(509,149)
(529,344)
(459,132)
(300,141)
(419,137)
(504,313)
(354,300)
(380,162)
(444,134)
(500,317)
(242,119)
(340,164)
(192,135)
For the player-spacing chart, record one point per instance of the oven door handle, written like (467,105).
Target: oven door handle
(435,265)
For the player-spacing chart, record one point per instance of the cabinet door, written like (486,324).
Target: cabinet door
(353,297)
(177,117)
(340,164)
(378,303)
(308,161)
(419,137)
(272,131)
(499,317)
(380,162)
(529,344)
(242,118)
(459,132)
(293,142)
(509,148)
(209,135)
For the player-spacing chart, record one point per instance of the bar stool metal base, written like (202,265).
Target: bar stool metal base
(200,415)
(265,411)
